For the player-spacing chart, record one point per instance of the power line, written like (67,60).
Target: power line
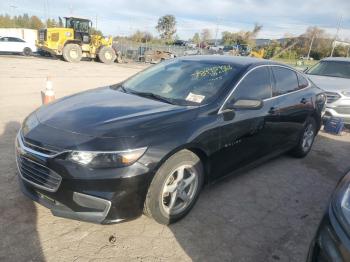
(336,35)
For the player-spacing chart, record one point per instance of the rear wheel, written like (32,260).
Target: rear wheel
(175,188)
(107,55)
(306,139)
(27,51)
(72,53)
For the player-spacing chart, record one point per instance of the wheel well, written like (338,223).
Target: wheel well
(204,159)
(199,152)
(72,42)
(318,120)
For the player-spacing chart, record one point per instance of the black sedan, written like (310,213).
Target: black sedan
(332,240)
(149,144)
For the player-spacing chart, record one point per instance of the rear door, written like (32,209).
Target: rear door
(16,44)
(293,103)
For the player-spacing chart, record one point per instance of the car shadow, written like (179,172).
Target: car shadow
(19,240)
(269,213)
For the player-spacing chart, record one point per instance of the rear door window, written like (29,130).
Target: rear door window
(286,81)
(15,39)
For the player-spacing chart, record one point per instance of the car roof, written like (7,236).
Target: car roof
(243,61)
(337,59)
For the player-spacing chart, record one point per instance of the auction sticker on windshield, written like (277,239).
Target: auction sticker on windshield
(195,98)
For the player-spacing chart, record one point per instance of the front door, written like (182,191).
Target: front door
(249,134)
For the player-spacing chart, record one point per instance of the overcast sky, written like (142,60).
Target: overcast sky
(122,17)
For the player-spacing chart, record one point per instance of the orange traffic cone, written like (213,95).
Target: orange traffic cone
(48,95)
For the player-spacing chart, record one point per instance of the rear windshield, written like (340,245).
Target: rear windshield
(331,68)
(184,82)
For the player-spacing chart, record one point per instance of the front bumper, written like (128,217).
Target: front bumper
(339,108)
(331,242)
(99,196)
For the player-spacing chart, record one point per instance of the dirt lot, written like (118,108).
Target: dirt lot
(267,214)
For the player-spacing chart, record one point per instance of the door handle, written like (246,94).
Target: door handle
(303,100)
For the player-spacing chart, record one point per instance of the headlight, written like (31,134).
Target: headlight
(95,159)
(346,93)
(341,202)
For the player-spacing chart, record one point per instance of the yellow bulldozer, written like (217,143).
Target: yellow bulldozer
(75,41)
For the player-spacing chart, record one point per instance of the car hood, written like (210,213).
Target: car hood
(331,84)
(106,112)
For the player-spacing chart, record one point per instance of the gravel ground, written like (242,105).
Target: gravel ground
(269,213)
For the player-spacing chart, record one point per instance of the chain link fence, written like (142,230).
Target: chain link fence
(135,51)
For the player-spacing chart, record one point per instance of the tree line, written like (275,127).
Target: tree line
(314,42)
(33,22)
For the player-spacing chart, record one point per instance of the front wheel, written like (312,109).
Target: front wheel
(175,188)
(306,139)
(72,53)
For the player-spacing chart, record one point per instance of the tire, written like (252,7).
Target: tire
(158,202)
(72,53)
(27,51)
(303,147)
(107,55)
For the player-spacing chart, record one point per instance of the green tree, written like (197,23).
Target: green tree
(167,27)
(35,22)
(205,35)
(196,39)
(241,37)
(95,31)
(6,21)
(51,22)
(141,36)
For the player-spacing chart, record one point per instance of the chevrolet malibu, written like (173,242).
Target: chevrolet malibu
(149,144)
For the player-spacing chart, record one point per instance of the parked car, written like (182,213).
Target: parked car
(180,42)
(150,143)
(332,241)
(191,45)
(333,75)
(16,45)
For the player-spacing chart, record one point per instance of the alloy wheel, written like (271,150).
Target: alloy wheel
(308,137)
(179,189)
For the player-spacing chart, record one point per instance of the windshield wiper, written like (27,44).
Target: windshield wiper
(154,96)
(123,88)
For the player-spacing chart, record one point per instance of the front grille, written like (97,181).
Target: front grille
(342,110)
(46,150)
(38,174)
(332,97)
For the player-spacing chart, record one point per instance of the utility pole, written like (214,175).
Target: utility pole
(96,22)
(336,35)
(312,41)
(216,31)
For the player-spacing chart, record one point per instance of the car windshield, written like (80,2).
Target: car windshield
(183,82)
(331,68)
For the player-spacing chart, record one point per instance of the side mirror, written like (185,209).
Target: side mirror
(248,104)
